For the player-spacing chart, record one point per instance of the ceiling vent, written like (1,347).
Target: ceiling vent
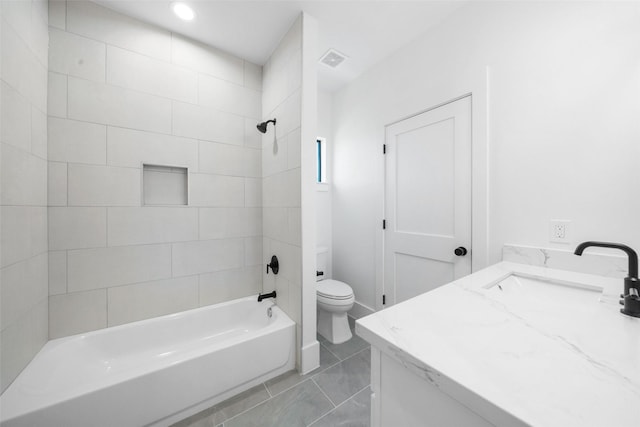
(332,58)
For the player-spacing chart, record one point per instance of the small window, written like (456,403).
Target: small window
(321,145)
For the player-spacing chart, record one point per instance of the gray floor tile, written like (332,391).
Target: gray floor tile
(346,349)
(289,379)
(355,412)
(346,378)
(295,407)
(229,408)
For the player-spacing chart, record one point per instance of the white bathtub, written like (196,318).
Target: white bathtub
(152,372)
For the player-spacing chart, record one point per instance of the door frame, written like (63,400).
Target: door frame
(480,137)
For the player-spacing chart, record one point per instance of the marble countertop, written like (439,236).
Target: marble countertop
(523,360)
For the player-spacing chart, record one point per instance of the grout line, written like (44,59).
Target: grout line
(250,408)
(343,403)
(336,356)
(268,391)
(325,394)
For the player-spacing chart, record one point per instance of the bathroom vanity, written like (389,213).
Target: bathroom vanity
(510,345)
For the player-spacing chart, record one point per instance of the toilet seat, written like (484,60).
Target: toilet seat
(334,290)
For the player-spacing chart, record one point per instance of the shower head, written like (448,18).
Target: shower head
(262,127)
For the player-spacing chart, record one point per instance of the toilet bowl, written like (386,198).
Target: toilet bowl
(334,300)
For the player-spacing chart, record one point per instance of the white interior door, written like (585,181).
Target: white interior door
(427,201)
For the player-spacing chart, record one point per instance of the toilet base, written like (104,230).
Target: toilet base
(334,327)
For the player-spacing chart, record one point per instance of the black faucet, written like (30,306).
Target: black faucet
(631,297)
(269,295)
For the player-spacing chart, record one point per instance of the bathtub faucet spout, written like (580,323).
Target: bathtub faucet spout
(269,295)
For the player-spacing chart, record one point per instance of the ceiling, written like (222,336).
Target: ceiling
(365,31)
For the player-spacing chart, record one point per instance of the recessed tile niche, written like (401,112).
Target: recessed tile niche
(164,185)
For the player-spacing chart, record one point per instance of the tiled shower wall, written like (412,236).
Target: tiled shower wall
(281,158)
(23,199)
(123,93)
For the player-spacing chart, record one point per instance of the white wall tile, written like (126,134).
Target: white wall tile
(274,153)
(24,72)
(140,72)
(219,223)
(99,23)
(58,14)
(225,159)
(57,184)
(102,103)
(57,95)
(23,177)
(39,31)
(77,312)
(283,224)
(230,97)
(121,265)
(57,272)
(18,15)
(206,59)
(215,190)
(252,138)
(77,142)
(24,284)
(252,76)
(103,186)
(16,120)
(290,258)
(76,55)
(293,149)
(282,189)
(23,233)
(21,340)
(133,226)
(207,256)
(253,251)
(23,152)
(38,133)
(132,148)
(252,192)
(229,284)
(77,227)
(207,124)
(144,300)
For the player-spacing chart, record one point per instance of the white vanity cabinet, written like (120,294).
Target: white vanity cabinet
(512,345)
(403,398)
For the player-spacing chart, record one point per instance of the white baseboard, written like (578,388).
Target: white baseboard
(310,359)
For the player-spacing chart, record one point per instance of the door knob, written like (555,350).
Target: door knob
(460,251)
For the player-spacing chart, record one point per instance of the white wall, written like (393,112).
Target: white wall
(323,191)
(123,93)
(561,97)
(281,168)
(287,164)
(23,179)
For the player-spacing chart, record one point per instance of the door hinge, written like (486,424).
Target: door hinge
(384,148)
(384,299)
(384,224)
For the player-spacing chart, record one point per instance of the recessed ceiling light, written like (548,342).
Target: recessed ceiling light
(183,11)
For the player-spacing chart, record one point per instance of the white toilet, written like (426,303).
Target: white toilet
(335,299)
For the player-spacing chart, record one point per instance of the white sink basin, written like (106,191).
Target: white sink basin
(530,292)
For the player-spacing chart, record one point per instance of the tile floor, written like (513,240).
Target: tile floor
(336,394)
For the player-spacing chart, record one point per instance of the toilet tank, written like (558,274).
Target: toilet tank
(322,262)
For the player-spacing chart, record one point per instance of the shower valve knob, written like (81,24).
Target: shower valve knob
(275,266)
